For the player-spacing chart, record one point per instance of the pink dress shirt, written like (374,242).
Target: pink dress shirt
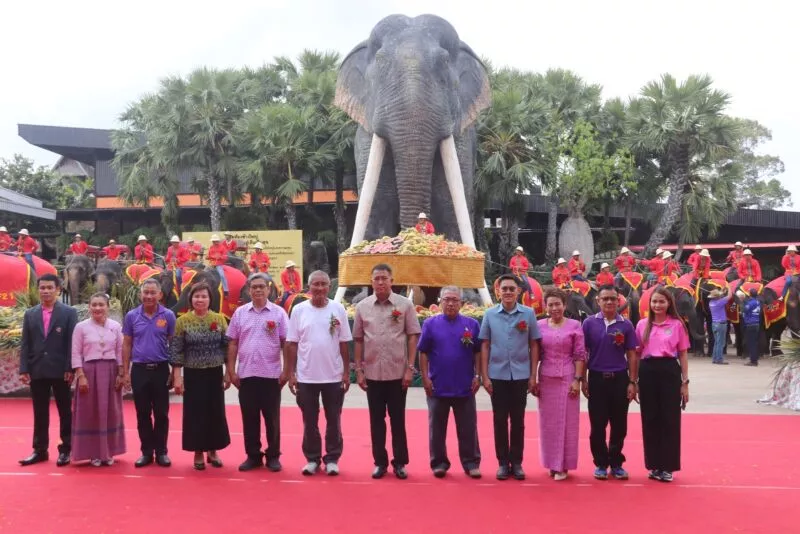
(46,315)
(90,342)
(666,339)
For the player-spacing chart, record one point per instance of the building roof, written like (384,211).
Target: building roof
(14,202)
(86,145)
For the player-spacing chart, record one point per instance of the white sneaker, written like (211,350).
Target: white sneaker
(96,462)
(332,469)
(560,476)
(310,468)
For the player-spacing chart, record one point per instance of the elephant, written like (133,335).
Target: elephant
(272,293)
(107,274)
(415,90)
(315,257)
(178,305)
(78,271)
(772,335)
(687,308)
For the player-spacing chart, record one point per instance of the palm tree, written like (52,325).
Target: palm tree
(680,122)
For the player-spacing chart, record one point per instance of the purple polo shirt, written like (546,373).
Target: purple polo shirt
(606,353)
(150,335)
(451,363)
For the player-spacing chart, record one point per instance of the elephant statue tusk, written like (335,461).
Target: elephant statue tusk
(452,173)
(365,197)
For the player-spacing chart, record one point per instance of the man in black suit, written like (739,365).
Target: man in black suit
(46,364)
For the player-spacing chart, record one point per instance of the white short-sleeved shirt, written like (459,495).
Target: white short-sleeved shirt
(318,358)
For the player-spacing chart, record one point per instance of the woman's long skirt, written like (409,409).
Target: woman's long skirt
(98,429)
(205,427)
(559,416)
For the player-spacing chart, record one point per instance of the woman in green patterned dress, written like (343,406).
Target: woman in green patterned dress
(199,347)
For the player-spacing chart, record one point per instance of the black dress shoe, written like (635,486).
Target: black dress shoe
(274,465)
(379,471)
(163,460)
(502,472)
(35,458)
(63,459)
(250,464)
(144,460)
(517,472)
(400,472)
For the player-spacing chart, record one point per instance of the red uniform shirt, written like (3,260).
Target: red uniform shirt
(519,264)
(702,269)
(27,245)
(670,267)
(290,280)
(144,253)
(791,264)
(112,252)
(694,259)
(656,265)
(5,241)
(259,261)
(576,267)
(177,256)
(749,270)
(195,251)
(625,263)
(218,254)
(231,245)
(605,278)
(79,247)
(734,257)
(561,275)
(427,228)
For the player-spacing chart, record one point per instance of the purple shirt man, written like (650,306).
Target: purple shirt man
(149,335)
(608,343)
(451,362)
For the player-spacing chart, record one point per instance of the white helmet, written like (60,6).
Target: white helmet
(705,253)
(791,248)
(190,240)
(77,235)
(142,238)
(698,247)
(625,250)
(576,252)
(659,251)
(174,239)
(3,229)
(519,249)
(422,216)
(258,246)
(23,232)
(290,263)
(214,237)
(747,252)
(560,261)
(666,254)
(111,241)
(604,265)
(738,244)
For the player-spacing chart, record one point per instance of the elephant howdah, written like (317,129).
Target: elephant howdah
(415,90)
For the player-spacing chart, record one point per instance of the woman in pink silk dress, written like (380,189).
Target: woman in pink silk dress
(560,372)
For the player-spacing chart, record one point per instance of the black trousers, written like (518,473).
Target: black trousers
(466,417)
(660,398)
(387,396)
(332,399)
(608,405)
(40,395)
(751,337)
(261,397)
(509,399)
(151,399)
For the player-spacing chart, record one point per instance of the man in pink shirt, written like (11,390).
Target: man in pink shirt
(256,334)
(45,363)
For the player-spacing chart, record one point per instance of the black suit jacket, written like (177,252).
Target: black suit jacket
(47,354)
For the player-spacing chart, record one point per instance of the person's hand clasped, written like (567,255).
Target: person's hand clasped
(574,389)
(83,384)
(685,393)
(361,380)
(293,384)
(633,393)
(177,383)
(487,385)
(346,381)
(428,386)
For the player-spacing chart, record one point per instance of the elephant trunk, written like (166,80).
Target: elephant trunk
(414,169)
(74,282)
(102,283)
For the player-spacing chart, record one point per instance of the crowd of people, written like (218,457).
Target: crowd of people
(510,354)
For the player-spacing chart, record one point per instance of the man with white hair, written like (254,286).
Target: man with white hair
(318,363)
(424,226)
(449,359)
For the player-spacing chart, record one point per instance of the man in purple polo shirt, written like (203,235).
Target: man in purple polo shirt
(147,331)
(257,332)
(611,384)
(449,357)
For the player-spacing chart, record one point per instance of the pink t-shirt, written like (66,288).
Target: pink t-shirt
(666,339)
(46,315)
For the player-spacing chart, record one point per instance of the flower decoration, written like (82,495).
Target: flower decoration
(334,324)
(466,337)
(619,338)
(213,327)
(271,326)
(396,315)
(522,327)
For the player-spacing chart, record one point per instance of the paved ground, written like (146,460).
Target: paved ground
(731,389)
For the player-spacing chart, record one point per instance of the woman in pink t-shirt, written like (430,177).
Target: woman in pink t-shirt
(663,384)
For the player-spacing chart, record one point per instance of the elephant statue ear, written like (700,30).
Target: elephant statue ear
(351,85)
(473,86)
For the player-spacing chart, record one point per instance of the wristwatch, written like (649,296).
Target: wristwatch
(685,381)
(579,378)
(635,382)
(477,377)
(411,368)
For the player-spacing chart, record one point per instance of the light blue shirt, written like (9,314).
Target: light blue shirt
(509,349)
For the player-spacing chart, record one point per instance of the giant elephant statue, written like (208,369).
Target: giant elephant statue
(107,274)
(78,272)
(415,89)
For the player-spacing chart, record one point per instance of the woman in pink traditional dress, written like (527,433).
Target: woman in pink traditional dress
(563,356)
(98,430)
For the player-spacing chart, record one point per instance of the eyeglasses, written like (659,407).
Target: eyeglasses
(508,289)
(261,286)
(451,299)
(607,299)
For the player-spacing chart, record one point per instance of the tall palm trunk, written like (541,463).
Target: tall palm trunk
(679,163)
(339,211)
(509,235)
(214,202)
(552,229)
(291,215)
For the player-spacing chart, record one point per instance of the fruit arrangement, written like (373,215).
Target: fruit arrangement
(411,242)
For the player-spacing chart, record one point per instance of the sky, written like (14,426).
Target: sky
(81,62)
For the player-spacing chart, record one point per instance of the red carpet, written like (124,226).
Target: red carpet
(740,475)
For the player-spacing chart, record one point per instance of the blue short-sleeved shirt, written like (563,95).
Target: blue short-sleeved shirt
(451,363)
(150,335)
(509,334)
